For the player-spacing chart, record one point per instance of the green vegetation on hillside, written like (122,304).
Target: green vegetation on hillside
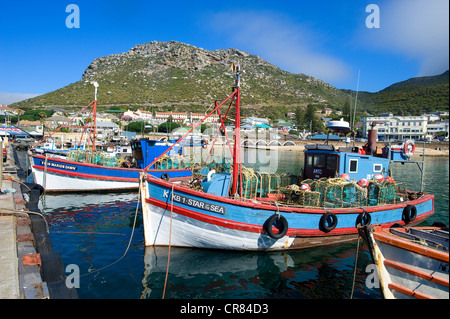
(172,76)
(411,97)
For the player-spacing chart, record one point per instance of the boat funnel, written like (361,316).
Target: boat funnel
(371,146)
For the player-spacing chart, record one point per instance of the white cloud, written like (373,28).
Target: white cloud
(8,98)
(417,29)
(278,40)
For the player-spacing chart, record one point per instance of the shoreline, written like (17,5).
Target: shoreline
(439,149)
(430,151)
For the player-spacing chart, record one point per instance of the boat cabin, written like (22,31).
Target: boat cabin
(326,161)
(145,151)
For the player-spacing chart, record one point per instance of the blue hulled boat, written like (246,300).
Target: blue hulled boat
(92,170)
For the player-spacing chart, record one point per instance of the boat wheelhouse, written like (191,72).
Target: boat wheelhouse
(326,161)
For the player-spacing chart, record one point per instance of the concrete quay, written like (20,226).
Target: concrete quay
(29,268)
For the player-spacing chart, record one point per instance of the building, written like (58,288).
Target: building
(255,121)
(396,127)
(179,117)
(434,128)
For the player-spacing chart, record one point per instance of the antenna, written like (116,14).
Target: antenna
(356,99)
(236,69)
(96,86)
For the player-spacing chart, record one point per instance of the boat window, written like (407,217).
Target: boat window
(353,166)
(309,160)
(320,160)
(331,162)
(377,168)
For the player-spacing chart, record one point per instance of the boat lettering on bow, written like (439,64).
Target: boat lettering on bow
(199,204)
(58,165)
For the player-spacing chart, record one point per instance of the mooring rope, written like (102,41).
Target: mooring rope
(128,246)
(23,212)
(170,243)
(44,178)
(356,264)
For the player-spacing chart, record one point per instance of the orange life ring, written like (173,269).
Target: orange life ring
(409,148)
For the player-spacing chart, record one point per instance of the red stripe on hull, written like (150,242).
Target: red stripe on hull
(257,228)
(102,177)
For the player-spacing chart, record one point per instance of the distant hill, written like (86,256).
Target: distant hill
(174,76)
(411,97)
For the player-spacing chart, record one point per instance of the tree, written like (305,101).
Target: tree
(312,120)
(346,110)
(300,117)
(137,127)
(168,126)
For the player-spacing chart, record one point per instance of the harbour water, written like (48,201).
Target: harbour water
(92,233)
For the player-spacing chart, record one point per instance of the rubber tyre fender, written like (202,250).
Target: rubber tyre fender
(363,219)
(409,213)
(165,176)
(35,186)
(269,223)
(323,222)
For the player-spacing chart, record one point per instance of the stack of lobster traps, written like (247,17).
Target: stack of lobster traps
(340,193)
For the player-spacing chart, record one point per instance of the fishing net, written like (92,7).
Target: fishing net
(96,158)
(340,193)
(293,195)
(261,184)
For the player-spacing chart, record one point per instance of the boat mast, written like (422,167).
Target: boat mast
(94,115)
(237,132)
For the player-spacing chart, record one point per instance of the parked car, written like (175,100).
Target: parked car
(23,138)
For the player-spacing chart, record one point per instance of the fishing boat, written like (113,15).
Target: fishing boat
(411,262)
(92,170)
(246,210)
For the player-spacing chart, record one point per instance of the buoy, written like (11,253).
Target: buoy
(363,182)
(378,177)
(305,187)
(389,179)
(345,176)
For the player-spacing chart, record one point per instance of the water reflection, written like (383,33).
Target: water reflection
(210,274)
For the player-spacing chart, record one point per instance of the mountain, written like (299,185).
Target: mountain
(173,75)
(411,97)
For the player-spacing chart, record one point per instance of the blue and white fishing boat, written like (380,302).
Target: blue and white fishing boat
(237,210)
(90,170)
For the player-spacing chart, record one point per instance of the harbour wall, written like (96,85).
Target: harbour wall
(29,268)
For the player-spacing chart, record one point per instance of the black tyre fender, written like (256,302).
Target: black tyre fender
(35,186)
(323,223)
(282,226)
(409,213)
(165,176)
(363,219)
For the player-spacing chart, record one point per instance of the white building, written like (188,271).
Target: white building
(433,129)
(255,121)
(144,115)
(397,127)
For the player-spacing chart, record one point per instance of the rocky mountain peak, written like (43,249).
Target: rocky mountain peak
(174,54)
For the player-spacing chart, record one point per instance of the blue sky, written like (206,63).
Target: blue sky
(325,39)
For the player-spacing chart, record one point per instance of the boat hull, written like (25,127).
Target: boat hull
(178,216)
(407,269)
(60,175)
